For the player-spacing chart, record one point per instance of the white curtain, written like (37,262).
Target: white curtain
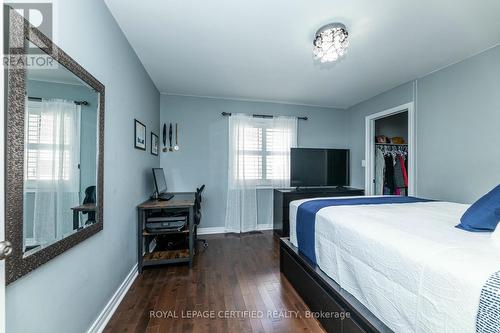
(52,172)
(258,156)
(243,173)
(283,138)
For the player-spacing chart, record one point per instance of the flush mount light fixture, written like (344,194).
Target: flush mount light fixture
(330,42)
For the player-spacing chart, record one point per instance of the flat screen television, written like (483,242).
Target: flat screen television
(312,167)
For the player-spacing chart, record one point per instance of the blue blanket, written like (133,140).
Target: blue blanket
(306,216)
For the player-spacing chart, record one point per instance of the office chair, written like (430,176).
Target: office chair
(197,215)
(89,198)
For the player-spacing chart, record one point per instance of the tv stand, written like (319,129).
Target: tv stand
(283,197)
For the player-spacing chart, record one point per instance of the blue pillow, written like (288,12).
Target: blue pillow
(484,214)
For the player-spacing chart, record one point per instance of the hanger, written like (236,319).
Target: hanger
(393,150)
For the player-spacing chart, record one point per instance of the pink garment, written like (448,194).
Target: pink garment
(403,170)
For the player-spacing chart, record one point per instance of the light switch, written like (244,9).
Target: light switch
(363,163)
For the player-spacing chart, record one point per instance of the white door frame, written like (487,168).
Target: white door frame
(370,145)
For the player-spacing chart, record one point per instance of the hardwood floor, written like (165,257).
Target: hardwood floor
(233,274)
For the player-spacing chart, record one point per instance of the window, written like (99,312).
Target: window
(258,156)
(48,143)
(263,152)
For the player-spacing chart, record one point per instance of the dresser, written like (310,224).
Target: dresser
(283,197)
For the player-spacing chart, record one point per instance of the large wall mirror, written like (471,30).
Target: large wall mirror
(55,133)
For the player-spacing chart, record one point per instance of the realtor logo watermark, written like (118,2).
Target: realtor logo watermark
(23,53)
(247,314)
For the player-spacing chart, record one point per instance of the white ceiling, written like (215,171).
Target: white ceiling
(261,49)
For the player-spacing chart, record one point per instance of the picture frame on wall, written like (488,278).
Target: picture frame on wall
(154,144)
(139,135)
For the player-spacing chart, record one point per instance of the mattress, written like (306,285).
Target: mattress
(406,263)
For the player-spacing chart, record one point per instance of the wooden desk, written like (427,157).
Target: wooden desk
(180,201)
(85,208)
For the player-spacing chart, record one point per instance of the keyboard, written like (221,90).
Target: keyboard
(165,196)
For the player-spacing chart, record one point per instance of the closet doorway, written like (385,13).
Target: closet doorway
(390,152)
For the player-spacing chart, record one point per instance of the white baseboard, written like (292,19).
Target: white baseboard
(264,227)
(211,230)
(110,308)
(222,230)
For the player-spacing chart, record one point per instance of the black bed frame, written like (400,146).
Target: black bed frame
(325,297)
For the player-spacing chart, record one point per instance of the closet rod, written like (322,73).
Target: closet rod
(40,99)
(391,144)
(260,116)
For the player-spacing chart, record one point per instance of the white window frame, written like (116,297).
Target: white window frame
(32,185)
(263,182)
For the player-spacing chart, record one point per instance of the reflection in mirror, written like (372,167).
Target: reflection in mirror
(60,155)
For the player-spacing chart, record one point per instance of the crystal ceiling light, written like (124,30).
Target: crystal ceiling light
(330,42)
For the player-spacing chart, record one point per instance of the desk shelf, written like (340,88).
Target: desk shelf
(182,201)
(159,233)
(166,255)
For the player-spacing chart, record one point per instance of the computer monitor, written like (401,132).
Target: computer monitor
(160,183)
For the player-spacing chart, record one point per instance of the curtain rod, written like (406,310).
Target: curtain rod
(76,102)
(260,116)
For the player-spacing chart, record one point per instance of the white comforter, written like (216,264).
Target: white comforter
(406,262)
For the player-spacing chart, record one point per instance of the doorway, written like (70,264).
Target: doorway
(390,140)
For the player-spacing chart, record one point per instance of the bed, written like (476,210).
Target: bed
(402,264)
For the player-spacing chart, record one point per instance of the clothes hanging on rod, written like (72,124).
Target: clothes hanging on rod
(399,181)
(404,162)
(389,183)
(391,176)
(379,172)
(393,149)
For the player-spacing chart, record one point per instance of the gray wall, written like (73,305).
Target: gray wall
(397,96)
(67,293)
(203,140)
(458,126)
(458,112)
